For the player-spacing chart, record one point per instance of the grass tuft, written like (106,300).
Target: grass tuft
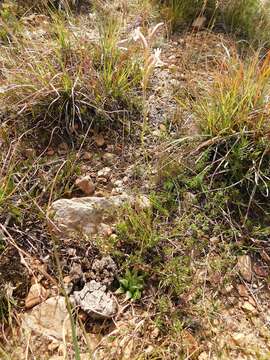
(232,162)
(237,100)
(65,83)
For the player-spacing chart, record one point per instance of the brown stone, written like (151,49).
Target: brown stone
(242,290)
(99,140)
(246,306)
(36,295)
(86,185)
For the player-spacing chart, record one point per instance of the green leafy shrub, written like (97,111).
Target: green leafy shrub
(138,232)
(175,275)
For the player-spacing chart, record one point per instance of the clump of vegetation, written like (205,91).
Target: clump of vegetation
(67,74)
(233,161)
(26,7)
(175,275)
(137,236)
(238,99)
(237,119)
(118,69)
(247,19)
(182,13)
(67,84)
(10,25)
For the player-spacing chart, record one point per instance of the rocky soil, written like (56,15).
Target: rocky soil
(63,263)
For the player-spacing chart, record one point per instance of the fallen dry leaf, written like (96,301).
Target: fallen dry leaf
(87,155)
(189,341)
(50,152)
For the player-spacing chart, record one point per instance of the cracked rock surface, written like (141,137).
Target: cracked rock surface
(94,300)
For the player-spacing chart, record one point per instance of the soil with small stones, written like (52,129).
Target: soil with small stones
(190,60)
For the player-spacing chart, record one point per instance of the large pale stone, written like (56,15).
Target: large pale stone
(85,215)
(50,319)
